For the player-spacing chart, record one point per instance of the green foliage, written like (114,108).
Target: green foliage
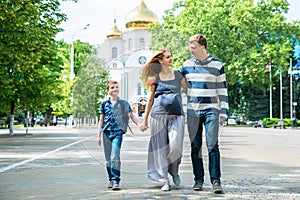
(256,103)
(244,34)
(269,122)
(82,51)
(29,65)
(61,105)
(88,88)
(175,40)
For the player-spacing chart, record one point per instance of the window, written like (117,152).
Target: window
(114,52)
(142,43)
(129,44)
(139,89)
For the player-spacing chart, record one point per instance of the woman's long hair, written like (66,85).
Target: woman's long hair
(152,68)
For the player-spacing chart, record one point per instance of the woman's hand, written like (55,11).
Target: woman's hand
(143,126)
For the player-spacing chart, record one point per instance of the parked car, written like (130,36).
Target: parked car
(231,121)
(40,122)
(2,122)
(60,121)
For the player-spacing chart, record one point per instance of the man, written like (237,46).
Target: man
(207,105)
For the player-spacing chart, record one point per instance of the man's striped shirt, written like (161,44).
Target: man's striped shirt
(207,88)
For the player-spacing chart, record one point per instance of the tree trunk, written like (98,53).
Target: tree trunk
(12,117)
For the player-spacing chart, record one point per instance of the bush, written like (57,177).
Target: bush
(269,122)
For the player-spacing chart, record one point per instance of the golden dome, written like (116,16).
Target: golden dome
(141,17)
(115,33)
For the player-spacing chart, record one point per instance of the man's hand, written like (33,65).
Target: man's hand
(99,141)
(222,120)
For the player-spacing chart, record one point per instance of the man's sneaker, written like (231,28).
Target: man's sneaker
(217,188)
(115,185)
(110,184)
(198,185)
(165,187)
(176,180)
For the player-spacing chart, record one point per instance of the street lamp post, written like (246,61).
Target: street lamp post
(11,123)
(72,51)
(294,74)
(269,69)
(294,121)
(291,88)
(281,108)
(72,74)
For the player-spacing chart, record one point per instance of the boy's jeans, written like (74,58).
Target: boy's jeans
(112,147)
(210,119)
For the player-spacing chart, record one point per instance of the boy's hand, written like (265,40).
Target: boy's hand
(99,141)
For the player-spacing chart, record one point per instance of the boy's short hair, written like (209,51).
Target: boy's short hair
(199,38)
(109,83)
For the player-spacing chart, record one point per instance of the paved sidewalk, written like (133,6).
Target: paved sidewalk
(59,163)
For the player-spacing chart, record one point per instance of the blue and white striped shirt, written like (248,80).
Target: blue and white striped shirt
(207,88)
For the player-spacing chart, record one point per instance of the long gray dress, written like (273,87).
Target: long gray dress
(167,133)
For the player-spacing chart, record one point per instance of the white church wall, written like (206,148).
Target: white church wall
(132,39)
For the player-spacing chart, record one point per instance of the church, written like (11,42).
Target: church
(125,53)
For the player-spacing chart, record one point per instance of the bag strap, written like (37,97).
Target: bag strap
(123,113)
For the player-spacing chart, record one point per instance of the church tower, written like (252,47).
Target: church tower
(138,21)
(125,53)
(113,46)
(135,37)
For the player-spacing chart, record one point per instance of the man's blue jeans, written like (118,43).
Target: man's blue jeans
(210,120)
(112,147)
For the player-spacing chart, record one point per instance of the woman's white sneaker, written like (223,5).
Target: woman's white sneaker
(165,187)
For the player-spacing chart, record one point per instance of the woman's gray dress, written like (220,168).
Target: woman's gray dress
(167,133)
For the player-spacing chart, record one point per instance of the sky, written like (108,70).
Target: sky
(100,14)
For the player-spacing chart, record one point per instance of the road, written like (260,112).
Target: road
(61,163)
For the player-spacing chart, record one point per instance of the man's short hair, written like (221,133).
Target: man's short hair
(200,39)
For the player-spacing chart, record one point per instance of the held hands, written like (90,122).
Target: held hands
(143,126)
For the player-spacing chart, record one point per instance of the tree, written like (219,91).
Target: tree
(89,87)
(62,107)
(245,35)
(29,65)
(90,79)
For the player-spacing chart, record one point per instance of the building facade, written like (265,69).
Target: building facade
(124,53)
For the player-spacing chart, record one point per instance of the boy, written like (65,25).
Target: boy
(112,125)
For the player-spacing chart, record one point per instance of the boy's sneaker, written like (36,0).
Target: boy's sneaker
(176,180)
(165,187)
(217,188)
(115,185)
(198,185)
(110,184)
